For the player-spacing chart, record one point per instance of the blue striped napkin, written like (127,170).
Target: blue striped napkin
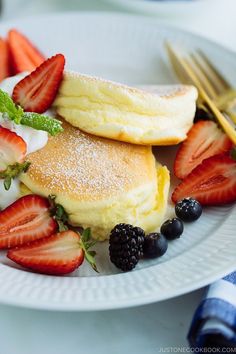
(214,322)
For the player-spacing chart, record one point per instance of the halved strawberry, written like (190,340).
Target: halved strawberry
(4,59)
(24,55)
(37,91)
(204,139)
(213,182)
(26,220)
(58,254)
(12,148)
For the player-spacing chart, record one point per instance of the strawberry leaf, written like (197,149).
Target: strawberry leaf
(86,244)
(7,183)
(58,212)
(86,235)
(90,259)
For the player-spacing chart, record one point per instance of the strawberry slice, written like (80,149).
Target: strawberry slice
(24,55)
(4,60)
(12,148)
(37,91)
(213,182)
(204,139)
(58,254)
(26,220)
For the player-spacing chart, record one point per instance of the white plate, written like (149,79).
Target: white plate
(126,49)
(170,8)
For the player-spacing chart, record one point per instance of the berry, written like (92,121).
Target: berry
(23,54)
(37,91)
(126,246)
(57,254)
(4,60)
(12,148)
(188,209)
(202,114)
(204,140)
(172,228)
(26,220)
(213,182)
(155,245)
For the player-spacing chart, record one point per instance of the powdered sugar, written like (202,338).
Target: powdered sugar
(84,165)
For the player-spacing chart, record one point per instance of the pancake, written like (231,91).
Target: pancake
(100,182)
(162,116)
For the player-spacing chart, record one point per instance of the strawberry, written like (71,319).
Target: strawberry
(58,254)
(213,182)
(204,139)
(24,56)
(4,60)
(26,220)
(12,148)
(37,91)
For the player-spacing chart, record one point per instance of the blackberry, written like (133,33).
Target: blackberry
(126,246)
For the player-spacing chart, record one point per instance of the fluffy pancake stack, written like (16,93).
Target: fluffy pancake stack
(103,182)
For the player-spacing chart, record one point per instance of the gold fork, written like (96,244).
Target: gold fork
(215,85)
(190,72)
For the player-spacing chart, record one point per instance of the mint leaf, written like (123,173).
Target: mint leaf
(13,171)
(7,105)
(33,120)
(42,122)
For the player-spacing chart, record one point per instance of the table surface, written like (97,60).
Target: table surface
(146,329)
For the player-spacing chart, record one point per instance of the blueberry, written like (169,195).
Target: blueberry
(188,209)
(172,228)
(155,245)
(202,114)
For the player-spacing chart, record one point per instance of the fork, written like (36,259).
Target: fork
(215,85)
(189,70)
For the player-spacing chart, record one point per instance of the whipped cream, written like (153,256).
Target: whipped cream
(35,140)
(10,196)
(9,83)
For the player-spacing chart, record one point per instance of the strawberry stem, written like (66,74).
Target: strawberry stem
(233,153)
(58,212)
(12,171)
(86,244)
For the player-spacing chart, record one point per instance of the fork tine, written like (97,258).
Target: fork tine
(216,76)
(180,72)
(201,77)
(222,120)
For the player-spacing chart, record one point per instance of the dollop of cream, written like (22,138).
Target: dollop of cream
(10,196)
(35,140)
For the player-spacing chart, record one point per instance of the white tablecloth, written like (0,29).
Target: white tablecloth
(144,329)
